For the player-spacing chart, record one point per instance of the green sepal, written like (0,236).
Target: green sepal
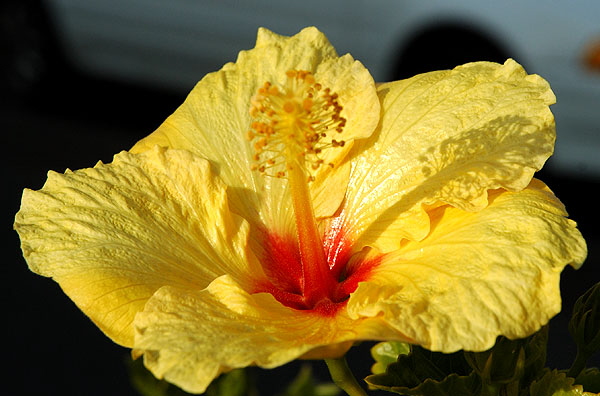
(502,364)
(508,369)
(584,327)
(511,361)
(386,353)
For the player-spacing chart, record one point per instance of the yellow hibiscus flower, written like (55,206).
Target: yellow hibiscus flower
(291,207)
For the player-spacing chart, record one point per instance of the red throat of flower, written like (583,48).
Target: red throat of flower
(292,125)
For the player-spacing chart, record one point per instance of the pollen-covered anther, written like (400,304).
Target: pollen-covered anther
(317,164)
(336,143)
(292,123)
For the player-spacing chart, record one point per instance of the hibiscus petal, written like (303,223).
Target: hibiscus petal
(214,120)
(449,137)
(189,337)
(477,275)
(113,234)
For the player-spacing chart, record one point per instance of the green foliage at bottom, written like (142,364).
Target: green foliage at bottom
(590,380)
(146,384)
(510,368)
(239,382)
(305,385)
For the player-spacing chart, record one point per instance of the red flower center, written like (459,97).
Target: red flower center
(289,283)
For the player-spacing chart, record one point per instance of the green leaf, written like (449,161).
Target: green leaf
(452,385)
(590,380)
(425,373)
(386,353)
(555,383)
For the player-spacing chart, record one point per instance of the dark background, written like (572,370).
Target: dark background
(50,347)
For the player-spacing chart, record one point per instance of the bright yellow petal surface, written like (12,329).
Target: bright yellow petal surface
(114,234)
(188,337)
(214,120)
(477,275)
(447,136)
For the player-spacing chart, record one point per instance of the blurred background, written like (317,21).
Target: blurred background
(81,81)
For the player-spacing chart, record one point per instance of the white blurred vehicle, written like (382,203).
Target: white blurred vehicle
(173,43)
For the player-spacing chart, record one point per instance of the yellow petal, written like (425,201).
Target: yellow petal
(214,120)
(114,234)
(477,275)
(448,137)
(188,337)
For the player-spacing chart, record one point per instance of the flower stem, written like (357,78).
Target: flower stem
(343,377)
